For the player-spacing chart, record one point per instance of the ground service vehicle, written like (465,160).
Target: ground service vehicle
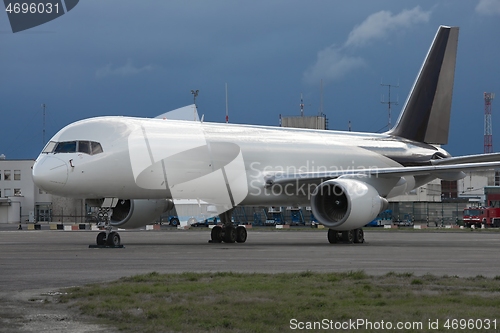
(482,216)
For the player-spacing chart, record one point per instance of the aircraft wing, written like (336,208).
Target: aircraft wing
(392,172)
(479,158)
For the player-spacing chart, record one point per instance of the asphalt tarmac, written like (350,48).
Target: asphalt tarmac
(55,258)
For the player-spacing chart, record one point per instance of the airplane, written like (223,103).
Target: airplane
(138,167)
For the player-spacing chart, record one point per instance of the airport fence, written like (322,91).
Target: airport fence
(437,213)
(418,212)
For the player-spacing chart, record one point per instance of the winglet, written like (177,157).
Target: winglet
(425,117)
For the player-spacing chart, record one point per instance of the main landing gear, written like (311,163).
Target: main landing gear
(106,238)
(349,236)
(228,233)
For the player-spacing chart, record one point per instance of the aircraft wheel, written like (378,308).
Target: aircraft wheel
(359,236)
(216,234)
(348,236)
(229,234)
(101,238)
(333,236)
(241,234)
(113,239)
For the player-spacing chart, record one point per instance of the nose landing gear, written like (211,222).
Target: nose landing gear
(106,238)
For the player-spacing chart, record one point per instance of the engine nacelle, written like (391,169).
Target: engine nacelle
(345,204)
(130,214)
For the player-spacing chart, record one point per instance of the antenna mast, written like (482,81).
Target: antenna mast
(389,102)
(321,99)
(488,133)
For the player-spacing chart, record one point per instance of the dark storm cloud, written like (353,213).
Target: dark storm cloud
(142,58)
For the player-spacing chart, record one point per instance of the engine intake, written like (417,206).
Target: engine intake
(345,204)
(132,214)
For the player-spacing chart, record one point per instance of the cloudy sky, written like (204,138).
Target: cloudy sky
(143,58)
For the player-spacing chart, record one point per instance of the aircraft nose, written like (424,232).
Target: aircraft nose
(50,173)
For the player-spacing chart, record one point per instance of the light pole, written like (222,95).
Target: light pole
(195,94)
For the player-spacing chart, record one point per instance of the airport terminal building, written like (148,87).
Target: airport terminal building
(22,201)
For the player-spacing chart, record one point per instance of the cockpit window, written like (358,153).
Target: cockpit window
(49,148)
(85,147)
(66,147)
(96,147)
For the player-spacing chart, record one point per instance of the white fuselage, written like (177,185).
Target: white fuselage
(146,158)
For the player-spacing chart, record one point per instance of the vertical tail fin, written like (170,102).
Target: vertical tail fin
(425,117)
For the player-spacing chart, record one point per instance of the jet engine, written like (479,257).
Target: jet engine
(346,204)
(130,214)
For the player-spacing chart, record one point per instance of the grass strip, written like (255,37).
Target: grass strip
(237,302)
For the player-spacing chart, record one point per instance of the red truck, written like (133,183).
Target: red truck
(479,216)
